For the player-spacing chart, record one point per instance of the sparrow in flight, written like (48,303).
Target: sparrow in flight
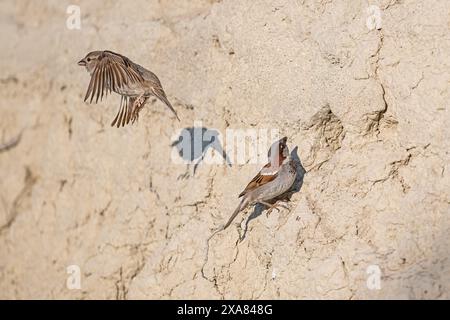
(274,179)
(112,72)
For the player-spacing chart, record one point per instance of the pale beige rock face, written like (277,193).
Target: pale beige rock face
(368,110)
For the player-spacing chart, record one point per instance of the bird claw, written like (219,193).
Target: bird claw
(273,206)
(269,211)
(137,107)
(134,118)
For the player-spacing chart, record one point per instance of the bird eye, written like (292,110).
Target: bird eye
(88,59)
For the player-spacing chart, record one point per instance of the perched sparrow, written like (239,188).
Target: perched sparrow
(113,72)
(274,179)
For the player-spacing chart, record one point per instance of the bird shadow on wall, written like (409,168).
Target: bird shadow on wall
(285,197)
(192,145)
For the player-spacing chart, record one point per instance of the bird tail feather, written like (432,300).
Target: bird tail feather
(159,93)
(240,207)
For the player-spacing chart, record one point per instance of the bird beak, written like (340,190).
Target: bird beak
(82,63)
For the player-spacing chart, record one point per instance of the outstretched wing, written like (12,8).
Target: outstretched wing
(112,71)
(125,112)
(268,173)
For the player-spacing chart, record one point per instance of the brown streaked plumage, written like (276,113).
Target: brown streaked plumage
(112,72)
(274,179)
(259,180)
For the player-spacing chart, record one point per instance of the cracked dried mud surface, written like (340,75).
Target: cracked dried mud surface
(368,110)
